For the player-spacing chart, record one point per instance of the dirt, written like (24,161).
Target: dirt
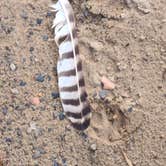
(123,40)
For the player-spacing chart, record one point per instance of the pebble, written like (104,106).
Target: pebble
(103,94)
(48,77)
(14,91)
(36,155)
(85,136)
(40,78)
(45,38)
(121,67)
(22,83)
(38,132)
(31,49)
(39,21)
(130,109)
(50,129)
(7,139)
(4,111)
(35,101)
(19,132)
(30,33)
(55,95)
(20,107)
(164,75)
(12,67)
(55,163)
(41,150)
(54,69)
(6,29)
(95,95)
(93,147)
(48,14)
(32,127)
(9,122)
(64,162)
(61,116)
(34,130)
(55,115)
(24,15)
(107,84)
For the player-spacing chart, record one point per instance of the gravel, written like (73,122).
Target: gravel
(4,111)
(39,21)
(93,147)
(12,67)
(61,116)
(40,78)
(22,83)
(55,95)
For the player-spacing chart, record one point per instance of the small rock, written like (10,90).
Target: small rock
(5,110)
(38,152)
(130,109)
(54,69)
(55,95)
(55,115)
(107,84)
(40,78)
(30,33)
(20,107)
(50,129)
(38,132)
(36,155)
(8,140)
(48,14)
(142,38)
(95,95)
(55,163)
(12,67)
(39,21)
(161,136)
(32,127)
(22,83)
(85,12)
(164,75)
(41,150)
(115,117)
(19,132)
(128,3)
(85,136)
(93,147)
(14,91)
(124,94)
(64,162)
(121,67)
(61,116)
(48,77)
(35,101)
(103,94)
(31,49)
(24,15)
(34,130)
(45,38)
(9,122)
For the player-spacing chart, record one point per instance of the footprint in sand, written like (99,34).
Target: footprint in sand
(107,127)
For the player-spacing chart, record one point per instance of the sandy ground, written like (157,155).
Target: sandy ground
(122,40)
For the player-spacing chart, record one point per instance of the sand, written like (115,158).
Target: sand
(123,40)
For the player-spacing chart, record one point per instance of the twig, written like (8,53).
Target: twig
(127,159)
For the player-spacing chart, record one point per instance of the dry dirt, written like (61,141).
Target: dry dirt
(124,40)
